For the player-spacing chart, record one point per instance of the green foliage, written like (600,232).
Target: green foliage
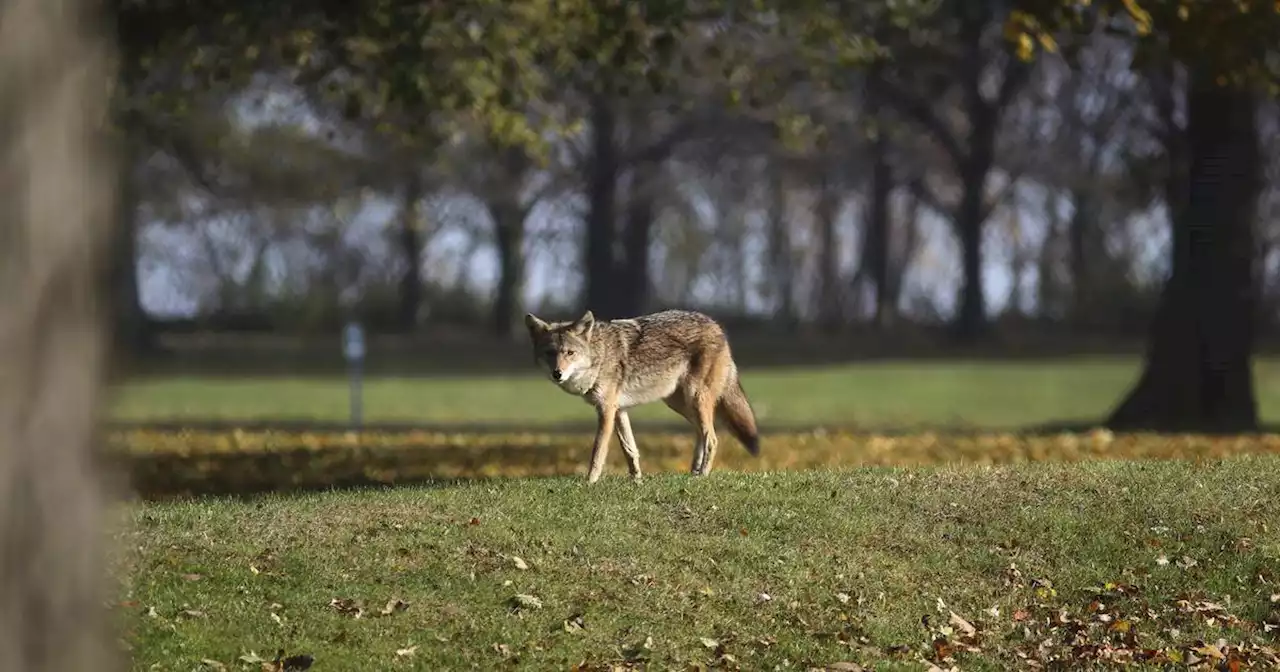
(1232,41)
(419,72)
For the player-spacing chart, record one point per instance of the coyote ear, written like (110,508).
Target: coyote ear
(585,324)
(534,325)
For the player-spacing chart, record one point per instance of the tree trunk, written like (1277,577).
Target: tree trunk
(971,306)
(876,252)
(780,245)
(509,215)
(633,276)
(58,184)
(508,219)
(1197,373)
(410,243)
(602,185)
(131,334)
(1082,223)
(830,311)
(910,242)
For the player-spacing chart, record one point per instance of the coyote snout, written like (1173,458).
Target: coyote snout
(677,356)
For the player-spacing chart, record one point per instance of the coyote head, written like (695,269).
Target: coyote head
(563,347)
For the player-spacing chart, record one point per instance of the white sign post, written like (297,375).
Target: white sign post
(354,351)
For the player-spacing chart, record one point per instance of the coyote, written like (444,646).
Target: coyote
(678,356)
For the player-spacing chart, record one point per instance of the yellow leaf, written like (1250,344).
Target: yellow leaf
(1026,48)
(1140,16)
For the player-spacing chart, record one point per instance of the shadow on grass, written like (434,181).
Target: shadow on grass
(162,466)
(167,476)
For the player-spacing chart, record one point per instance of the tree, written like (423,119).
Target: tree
(960,56)
(1197,368)
(55,224)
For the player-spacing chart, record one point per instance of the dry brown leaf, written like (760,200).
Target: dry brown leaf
(965,626)
(407,652)
(523,601)
(347,606)
(395,605)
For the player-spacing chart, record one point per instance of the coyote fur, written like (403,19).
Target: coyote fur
(681,357)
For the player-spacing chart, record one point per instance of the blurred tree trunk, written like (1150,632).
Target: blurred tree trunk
(876,250)
(969,219)
(780,244)
(1083,222)
(57,245)
(827,214)
(410,241)
(1197,372)
(601,225)
(132,333)
(633,277)
(509,213)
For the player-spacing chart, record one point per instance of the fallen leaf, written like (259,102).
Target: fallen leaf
(965,626)
(347,606)
(523,601)
(251,658)
(709,643)
(843,597)
(211,663)
(574,623)
(395,605)
(1021,615)
(192,577)
(519,562)
(406,652)
(191,613)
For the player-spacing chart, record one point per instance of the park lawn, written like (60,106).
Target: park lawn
(1153,560)
(875,394)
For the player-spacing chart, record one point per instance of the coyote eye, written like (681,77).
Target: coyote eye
(568,353)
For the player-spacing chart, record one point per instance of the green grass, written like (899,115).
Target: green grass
(673,570)
(983,394)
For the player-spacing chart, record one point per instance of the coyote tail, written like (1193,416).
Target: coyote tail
(734,410)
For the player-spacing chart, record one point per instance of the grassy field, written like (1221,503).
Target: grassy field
(981,568)
(977,393)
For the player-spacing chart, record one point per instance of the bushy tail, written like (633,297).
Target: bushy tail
(734,410)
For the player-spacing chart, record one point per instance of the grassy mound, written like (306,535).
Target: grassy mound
(987,568)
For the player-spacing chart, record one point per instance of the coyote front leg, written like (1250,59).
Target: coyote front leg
(628,441)
(604,428)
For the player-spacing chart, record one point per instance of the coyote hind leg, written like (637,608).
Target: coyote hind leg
(680,404)
(707,439)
